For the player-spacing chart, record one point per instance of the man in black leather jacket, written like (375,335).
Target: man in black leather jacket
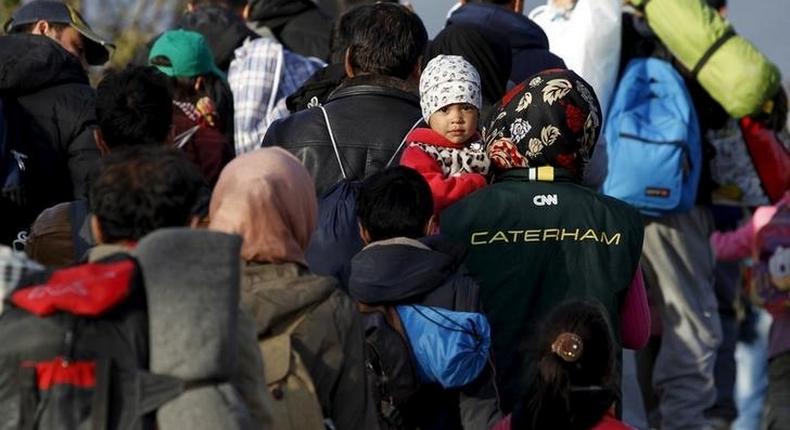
(371,111)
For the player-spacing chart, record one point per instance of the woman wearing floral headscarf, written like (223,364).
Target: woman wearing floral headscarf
(536,236)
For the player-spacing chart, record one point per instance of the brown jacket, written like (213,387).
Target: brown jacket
(330,341)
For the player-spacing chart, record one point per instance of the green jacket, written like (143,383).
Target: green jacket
(533,245)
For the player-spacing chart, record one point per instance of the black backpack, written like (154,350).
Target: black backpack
(388,362)
(400,395)
(75,351)
(13,159)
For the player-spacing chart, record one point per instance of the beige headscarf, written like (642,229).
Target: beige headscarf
(267,197)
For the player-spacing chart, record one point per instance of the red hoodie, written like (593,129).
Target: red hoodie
(608,422)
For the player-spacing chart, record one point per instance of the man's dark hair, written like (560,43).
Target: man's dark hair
(342,32)
(388,39)
(144,188)
(344,27)
(134,107)
(395,202)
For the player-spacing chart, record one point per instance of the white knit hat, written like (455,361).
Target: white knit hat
(448,79)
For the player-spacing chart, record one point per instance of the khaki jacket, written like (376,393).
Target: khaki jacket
(330,340)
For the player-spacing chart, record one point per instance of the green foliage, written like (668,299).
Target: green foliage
(6,8)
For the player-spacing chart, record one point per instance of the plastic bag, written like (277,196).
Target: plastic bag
(588,39)
(450,348)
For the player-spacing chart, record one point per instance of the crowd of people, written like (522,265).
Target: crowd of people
(288,214)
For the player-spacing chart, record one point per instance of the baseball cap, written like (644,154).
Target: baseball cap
(188,53)
(97,49)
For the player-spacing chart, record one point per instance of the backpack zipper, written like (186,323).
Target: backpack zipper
(678,143)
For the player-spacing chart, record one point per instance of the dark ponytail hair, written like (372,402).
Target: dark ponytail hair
(572,382)
(214,87)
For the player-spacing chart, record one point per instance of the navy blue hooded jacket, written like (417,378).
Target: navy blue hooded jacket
(402,272)
(429,273)
(528,42)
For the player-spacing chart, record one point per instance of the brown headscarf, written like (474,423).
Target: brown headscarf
(552,119)
(267,197)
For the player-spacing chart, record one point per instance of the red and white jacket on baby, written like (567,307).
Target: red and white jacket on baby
(453,171)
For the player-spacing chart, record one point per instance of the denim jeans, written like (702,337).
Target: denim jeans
(751,381)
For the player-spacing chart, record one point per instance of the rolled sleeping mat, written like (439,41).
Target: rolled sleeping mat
(730,68)
(191,281)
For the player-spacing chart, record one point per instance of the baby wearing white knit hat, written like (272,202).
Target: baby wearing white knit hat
(450,99)
(449,154)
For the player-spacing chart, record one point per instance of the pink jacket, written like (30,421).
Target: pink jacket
(737,244)
(635,315)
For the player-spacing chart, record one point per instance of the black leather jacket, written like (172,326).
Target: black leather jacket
(369,115)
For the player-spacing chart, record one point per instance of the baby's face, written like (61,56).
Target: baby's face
(456,122)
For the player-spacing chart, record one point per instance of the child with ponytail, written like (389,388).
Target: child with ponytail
(573,384)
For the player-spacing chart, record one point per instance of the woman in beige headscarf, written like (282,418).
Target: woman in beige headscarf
(268,198)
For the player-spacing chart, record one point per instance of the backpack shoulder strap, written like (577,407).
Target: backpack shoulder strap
(390,313)
(276,348)
(727,35)
(334,142)
(278,69)
(184,138)
(295,323)
(13,151)
(402,142)
(80,228)
(3,133)
(337,151)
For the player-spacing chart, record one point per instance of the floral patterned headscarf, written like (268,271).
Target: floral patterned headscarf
(552,119)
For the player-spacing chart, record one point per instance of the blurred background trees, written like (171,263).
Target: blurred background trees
(131,23)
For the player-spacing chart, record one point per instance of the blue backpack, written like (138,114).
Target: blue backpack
(336,237)
(653,140)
